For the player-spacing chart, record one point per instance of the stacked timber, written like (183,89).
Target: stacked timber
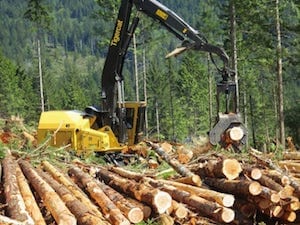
(229,192)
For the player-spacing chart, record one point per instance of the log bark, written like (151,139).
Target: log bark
(158,200)
(223,199)
(82,213)
(52,201)
(220,168)
(246,208)
(269,194)
(15,204)
(63,179)
(178,167)
(208,208)
(291,155)
(268,182)
(109,209)
(132,212)
(239,187)
(29,200)
(254,173)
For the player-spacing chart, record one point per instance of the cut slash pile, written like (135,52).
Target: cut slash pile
(212,189)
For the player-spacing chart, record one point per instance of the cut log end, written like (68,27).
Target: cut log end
(181,212)
(289,216)
(256,173)
(231,168)
(255,188)
(227,215)
(135,215)
(236,133)
(162,201)
(228,200)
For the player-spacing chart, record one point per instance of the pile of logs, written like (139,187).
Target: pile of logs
(213,190)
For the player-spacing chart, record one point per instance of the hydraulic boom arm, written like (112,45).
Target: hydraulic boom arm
(112,79)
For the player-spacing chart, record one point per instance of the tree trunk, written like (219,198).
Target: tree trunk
(52,201)
(234,50)
(15,204)
(279,77)
(41,75)
(109,209)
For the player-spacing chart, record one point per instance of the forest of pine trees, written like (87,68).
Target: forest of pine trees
(74,37)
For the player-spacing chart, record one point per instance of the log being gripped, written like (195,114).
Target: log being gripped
(239,187)
(223,199)
(203,206)
(109,209)
(220,168)
(82,213)
(78,193)
(29,200)
(159,200)
(15,204)
(132,212)
(52,201)
(178,167)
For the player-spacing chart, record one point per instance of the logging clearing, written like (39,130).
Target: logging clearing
(209,188)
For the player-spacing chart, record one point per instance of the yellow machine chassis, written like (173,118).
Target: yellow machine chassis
(73,130)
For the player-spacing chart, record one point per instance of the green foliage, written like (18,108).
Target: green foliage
(75,46)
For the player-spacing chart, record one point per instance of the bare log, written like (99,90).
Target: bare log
(223,199)
(270,194)
(159,201)
(126,173)
(133,213)
(291,155)
(29,200)
(208,208)
(240,187)
(52,201)
(220,168)
(15,203)
(110,210)
(82,213)
(268,182)
(63,179)
(178,167)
